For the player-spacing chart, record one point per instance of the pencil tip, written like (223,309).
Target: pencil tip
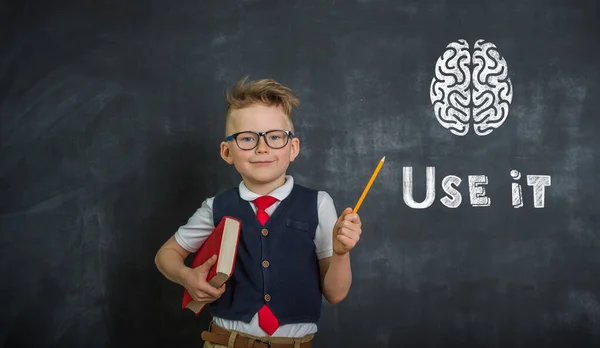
(383,159)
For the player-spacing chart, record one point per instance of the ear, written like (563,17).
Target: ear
(294,149)
(226,153)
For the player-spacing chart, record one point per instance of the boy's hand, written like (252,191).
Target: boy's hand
(194,280)
(346,232)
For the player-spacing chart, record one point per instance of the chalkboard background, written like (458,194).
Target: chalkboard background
(111,117)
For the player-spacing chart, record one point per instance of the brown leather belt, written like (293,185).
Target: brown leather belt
(219,335)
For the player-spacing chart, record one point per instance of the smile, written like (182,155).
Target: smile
(262,163)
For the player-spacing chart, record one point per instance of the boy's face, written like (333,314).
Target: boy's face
(262,166)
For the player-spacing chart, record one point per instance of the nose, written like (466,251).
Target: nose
(262,144)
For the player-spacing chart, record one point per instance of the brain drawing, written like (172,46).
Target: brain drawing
(471,88)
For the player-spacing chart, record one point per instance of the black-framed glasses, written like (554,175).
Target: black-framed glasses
(275,139)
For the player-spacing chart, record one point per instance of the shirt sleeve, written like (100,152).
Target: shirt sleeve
(327,219)
(194,233)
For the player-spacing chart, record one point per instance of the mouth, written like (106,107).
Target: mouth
(261,163)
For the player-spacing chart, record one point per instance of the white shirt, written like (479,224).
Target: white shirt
(192,235)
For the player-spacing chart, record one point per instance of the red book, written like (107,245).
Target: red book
(223,242)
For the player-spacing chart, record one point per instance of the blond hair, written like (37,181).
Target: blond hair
(267,92)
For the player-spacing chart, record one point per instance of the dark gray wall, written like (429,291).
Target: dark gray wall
(111,117)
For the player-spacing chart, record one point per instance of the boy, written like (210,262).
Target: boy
(293,248)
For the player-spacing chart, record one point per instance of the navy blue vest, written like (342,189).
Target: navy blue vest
(289,281)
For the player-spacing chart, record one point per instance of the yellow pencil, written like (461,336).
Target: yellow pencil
(368,187)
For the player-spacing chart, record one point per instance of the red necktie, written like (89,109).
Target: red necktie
(266,319)
(263,203)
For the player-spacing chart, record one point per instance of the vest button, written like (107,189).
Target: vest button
(264,232)
(265,263)
(267,297)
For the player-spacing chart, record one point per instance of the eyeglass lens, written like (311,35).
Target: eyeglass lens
(275,139)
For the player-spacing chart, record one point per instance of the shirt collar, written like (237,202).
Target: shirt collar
(280,193)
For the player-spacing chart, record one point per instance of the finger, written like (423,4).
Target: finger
(344,213)
(349,224)
(346,241)
(352,234)
(205,267)
(201,296)
(350,229)
(204,298)
(211,290)
(352,217)
(207,299)
(221,290)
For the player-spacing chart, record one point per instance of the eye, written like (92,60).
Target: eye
(246,139)
(275,137)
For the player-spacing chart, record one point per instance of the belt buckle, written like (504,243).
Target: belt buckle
(263,342)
